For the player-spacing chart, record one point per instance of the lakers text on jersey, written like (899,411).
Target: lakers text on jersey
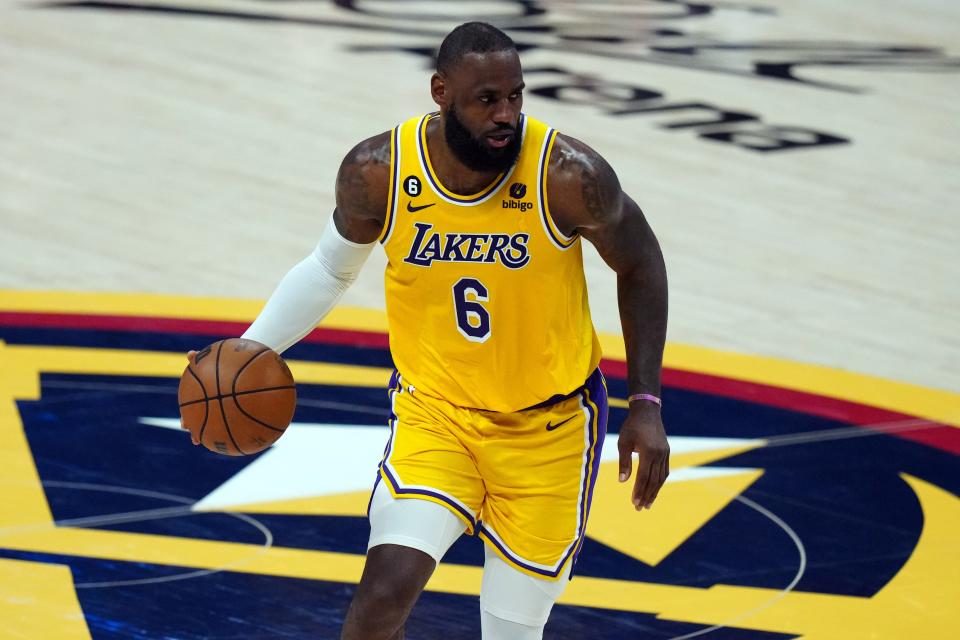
(486,297)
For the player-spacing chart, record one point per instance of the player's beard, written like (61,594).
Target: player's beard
(473,152)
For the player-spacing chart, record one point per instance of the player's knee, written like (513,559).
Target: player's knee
(512,596)
(393,578)
(494,628)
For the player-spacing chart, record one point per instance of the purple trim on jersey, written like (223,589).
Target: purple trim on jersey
(428,172)
(541,181)
(395,135)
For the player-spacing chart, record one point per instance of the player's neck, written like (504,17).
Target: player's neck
(454,175)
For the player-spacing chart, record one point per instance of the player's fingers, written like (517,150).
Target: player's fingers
(658,483)
(626,459)
(653,482)
(191,355)
(644,469)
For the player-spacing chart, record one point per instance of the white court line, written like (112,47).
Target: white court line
(801,569)
(853,431)
(145,515)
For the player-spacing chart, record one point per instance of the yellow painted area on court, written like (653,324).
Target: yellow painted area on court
(619,403)
(932,404)
(919,602)
(681,509)
(171,306)
(45,604)
(699,458)
(352,503)
(24,501)
(31,360)
(187,552)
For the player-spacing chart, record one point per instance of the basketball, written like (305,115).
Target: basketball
(237,397)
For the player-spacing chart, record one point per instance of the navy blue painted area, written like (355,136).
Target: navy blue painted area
(216,606)
(237,605)
(577,623)
(84,434)
(857,518)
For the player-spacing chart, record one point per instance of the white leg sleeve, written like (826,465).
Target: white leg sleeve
(513,596)
(414,523)
(494,628)
(309,291)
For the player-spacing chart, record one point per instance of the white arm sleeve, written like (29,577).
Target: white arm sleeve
(309,291)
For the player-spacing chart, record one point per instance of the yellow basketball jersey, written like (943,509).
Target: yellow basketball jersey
(486,297)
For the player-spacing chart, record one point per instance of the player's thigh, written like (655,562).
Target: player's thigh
(539,482)
(516,597)
(426,460)
(418,524)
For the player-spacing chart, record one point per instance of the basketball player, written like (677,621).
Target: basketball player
(498,410)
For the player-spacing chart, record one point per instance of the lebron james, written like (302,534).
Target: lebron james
(498,410)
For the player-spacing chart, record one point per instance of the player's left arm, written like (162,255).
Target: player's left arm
(585,198)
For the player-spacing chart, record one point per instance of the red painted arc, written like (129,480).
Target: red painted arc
(937,435)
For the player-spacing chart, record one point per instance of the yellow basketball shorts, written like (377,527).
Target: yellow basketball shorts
(521,481)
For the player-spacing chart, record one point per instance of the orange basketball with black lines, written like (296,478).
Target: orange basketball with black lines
(237,397)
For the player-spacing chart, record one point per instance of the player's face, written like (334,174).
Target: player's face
(484,96)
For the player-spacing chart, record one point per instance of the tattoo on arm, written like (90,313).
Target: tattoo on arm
(362,188)
(599,189)
(584,188)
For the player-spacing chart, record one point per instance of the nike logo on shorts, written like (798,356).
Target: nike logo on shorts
(413,209)
(551,427)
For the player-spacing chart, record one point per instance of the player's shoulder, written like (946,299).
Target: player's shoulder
(571,159)
(579,178)
(370,153)
(363,181)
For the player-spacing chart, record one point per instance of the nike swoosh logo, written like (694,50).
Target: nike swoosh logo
(413,209)
(551,427)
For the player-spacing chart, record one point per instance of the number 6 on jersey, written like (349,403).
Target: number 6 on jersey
(473,319)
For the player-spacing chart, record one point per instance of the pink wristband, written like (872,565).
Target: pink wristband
(645,396)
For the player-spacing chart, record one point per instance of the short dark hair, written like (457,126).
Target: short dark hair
(471,37)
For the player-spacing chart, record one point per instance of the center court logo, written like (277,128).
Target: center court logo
(758,535)
(517,191)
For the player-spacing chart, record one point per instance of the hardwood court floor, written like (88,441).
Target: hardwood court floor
(189,149)
(178,153)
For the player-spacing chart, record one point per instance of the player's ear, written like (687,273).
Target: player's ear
(438,90)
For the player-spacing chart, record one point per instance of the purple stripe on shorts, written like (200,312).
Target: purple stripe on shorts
(396,386)
(392,388)
(596,391)
(427,492)
(551,573)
